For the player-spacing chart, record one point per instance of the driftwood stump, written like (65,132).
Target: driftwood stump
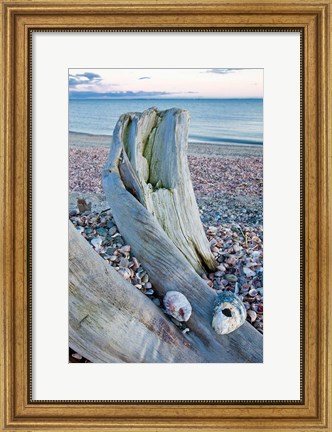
(150,151)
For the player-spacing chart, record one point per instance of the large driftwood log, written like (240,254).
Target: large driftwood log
(110,321)
(150,235)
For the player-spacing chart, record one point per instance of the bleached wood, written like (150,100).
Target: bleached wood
(156,143)
(167,266)
(111,321)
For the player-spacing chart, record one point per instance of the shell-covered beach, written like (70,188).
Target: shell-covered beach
(228,186)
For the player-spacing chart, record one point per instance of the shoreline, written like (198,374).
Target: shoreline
(78,139)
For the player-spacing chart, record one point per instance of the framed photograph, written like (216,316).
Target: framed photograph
(165,209)
(183,213)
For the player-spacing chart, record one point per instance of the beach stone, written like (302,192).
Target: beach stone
(73,213)
(124,262)
(149,292)
(231,278)
(110,224)
(101,231)
(125,249)
(141,272)
(112,230)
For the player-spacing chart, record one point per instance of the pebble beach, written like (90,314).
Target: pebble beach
(228,185)
(227,180)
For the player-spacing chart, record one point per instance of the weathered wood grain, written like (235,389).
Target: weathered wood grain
(111,321)
(154,152)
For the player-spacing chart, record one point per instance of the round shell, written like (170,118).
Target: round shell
(229,313)
(177,305)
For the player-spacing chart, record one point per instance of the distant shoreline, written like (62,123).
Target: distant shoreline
(90,134)
(105,98)
(80,139)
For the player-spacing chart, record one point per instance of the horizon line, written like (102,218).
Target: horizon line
(164,98)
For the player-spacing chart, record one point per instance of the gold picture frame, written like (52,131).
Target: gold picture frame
(313,20)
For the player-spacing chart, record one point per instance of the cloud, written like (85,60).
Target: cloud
(89,75)
(86,78)
(117,94)
(221,71)
(145,77)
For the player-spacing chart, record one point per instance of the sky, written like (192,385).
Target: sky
(165,83)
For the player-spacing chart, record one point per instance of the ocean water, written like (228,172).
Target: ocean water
(218,121)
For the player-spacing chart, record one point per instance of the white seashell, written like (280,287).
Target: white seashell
(248,272)
(252,315)
(229,313)
(236,248)
(177,305)
(76,356)
(221,267)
